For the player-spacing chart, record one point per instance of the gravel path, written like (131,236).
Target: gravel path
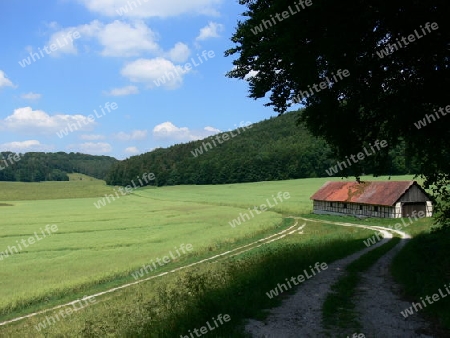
(379,305)
(300,315)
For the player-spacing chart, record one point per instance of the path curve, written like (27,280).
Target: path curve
(300,315)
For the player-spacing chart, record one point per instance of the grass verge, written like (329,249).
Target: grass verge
(338,308)
(237,287)
(423,267)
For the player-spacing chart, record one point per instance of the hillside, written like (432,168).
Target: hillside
(274,149)
(37,167)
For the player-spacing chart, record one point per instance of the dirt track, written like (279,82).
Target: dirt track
(378,304)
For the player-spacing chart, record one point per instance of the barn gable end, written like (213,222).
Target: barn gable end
(414,194)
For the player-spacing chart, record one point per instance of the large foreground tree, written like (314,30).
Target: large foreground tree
(393,59)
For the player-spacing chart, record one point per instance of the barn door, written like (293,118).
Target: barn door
(408,208)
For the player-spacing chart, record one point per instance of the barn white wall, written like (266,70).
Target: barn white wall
(397,210)
(429,209)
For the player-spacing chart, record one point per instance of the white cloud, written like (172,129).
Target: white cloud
(92,148)
(179,53)
(91,137)
(65,38)
(212,129)
(90,30)
(64,42)
(122,39)
(152,8)
(168,130)
(25,146)
(128,90)
(211,31)
(132,150)
(155,72)
(32,121)
(4,81)
(31,96)
(118,39)
(251,74)
(135,135)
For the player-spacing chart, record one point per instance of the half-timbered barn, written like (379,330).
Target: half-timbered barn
(385,199)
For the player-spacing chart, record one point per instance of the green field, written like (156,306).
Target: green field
(93,245)
(94,249)
(75,188)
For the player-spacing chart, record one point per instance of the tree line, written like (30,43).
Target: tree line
(38,166)
(278,148)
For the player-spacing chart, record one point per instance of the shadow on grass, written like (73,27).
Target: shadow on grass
(237,287)
(422,268)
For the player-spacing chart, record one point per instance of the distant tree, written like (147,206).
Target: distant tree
(57,175)
(397,58)
(35,166)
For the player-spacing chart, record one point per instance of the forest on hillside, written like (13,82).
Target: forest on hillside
(37,166)
(274,149)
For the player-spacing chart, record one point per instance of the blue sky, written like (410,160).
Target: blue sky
(71,62)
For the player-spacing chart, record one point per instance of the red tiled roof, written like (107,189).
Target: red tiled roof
(377,193)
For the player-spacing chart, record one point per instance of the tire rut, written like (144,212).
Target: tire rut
(300,315)
(378,305)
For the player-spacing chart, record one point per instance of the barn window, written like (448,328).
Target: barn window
(360,207)
(345,205)
(375,208)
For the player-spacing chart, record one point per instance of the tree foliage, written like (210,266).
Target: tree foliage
(37,167)
(383,97)
(274,149)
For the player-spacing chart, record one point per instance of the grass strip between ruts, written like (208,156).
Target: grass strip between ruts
(338,308)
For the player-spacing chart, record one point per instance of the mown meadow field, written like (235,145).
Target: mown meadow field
(97,249)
